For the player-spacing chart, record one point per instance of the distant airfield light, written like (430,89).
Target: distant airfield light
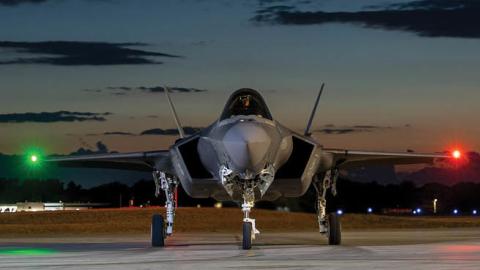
(33,157)
(414,212)
(456,154)
(455,211)
(369,210)
(474,212)
(419,211)
(339,212)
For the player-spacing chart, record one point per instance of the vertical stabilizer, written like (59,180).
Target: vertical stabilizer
(174,113)
(312,115)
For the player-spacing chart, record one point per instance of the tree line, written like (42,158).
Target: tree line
(352,196)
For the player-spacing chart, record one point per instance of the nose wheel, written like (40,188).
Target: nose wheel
(249,228)
(247,235)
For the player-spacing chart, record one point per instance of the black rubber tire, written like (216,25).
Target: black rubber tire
(247,236)
(157,231)
(334,230)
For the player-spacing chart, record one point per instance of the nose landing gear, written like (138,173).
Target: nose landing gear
(245,184)
(249,228)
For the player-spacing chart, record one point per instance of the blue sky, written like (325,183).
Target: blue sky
(418,92)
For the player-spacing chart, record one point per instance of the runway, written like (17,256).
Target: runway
(421,249)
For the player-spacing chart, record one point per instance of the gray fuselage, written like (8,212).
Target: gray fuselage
(242,151)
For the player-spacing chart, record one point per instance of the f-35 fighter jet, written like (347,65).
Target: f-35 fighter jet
(245,156)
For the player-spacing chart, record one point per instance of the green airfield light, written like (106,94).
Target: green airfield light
(27,251)
(32,163)
(33,157)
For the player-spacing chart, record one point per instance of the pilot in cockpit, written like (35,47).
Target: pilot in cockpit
(246,104)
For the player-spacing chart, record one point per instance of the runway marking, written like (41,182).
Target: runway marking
(27,251)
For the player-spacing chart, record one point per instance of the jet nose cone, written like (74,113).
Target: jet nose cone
(247,145)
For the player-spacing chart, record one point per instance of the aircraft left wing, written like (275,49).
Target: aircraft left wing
(137,161)
(342,158)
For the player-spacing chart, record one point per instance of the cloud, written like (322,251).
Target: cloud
(160,89)
(153,131)
(267,2)
(277,2)
(92,90)
(77,53)
(119,133)
(170,131)
(101,149)
(174,89)
(13,3)
(50,117)
(124,90)
(430,18)
(270,14)
(331,129)
(337,130)
(110,133)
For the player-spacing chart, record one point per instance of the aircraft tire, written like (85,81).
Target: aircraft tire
(334,230)
(247,235)
(157,231)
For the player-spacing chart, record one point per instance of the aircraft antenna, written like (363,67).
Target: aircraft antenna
(312,115)
(174,113)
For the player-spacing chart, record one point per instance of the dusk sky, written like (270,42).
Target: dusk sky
(399,74)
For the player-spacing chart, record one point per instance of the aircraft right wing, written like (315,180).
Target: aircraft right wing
(343,158)
(137,161)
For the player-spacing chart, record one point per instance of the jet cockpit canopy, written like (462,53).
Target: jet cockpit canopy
(246,102)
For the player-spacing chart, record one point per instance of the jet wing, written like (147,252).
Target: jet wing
(343,158)
(137,161)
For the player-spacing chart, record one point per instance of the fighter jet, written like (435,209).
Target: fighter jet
(245,156)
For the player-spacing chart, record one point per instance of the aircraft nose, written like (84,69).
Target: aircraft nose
(247,145)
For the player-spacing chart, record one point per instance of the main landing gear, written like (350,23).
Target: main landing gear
(329,225)
(160,228)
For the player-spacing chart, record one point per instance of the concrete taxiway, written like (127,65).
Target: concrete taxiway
(406,249)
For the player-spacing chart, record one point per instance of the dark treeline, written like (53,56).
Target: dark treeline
(114,194)
(352,196)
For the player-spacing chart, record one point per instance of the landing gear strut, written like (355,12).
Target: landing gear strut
(160,230)
(246,184)
(329,225)
(249,228)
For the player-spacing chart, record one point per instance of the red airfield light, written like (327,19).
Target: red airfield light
(457,154)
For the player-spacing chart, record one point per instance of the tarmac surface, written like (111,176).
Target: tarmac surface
(405,249)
